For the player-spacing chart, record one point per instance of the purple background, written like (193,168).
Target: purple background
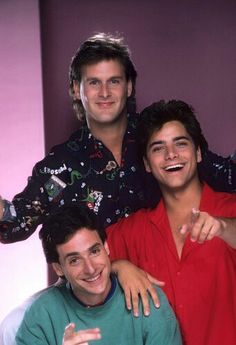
(182,49)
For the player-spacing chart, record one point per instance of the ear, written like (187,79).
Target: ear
(106,247)
(57,268)
(199,155)
(129,88)
(146,165)
(76,89)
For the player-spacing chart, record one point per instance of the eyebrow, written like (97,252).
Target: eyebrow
(159,142)
(94,246)
(112,77)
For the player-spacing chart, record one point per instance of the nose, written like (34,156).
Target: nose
(104,90)
(89,266)
(171,152)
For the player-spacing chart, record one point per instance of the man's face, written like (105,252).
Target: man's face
(172,157)
(84,261)
(103,91)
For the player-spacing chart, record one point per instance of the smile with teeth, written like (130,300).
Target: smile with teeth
(174,167)
(93,279)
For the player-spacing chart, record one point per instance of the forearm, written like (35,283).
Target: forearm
(20,218)
(228,231)
(116,266)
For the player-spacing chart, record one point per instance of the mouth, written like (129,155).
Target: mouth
(105,104)
(93,279)
(174,167)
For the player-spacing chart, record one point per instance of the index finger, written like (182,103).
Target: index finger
(80,337)
(187,228)
(87,335)
(194,215)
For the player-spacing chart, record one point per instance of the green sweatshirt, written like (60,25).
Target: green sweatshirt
(45,320)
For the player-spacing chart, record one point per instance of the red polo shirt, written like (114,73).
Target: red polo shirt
(201,286)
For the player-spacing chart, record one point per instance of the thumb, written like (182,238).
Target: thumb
(155,281)
(69,330)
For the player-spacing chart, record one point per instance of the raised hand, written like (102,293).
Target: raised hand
(204,227)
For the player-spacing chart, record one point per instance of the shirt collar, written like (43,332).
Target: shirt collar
(109,296)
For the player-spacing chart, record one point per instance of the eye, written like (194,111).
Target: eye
(182,143)
(114,81)
(158,148)
(95,251)
(74,261)
(94,82)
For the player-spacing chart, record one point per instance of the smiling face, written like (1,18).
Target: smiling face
(172,157)
(103,91)
(84,261)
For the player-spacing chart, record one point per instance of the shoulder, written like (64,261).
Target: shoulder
(60,154)
(219,203)
(141,214)
(131,221)
(74,142)
(47,300)
(163,316)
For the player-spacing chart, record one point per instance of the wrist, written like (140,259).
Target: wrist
(116,266)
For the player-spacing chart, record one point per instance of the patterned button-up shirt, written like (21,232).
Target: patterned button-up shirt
(81,170)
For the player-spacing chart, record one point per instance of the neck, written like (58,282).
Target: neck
(183,198)
(111,135)
(95,300)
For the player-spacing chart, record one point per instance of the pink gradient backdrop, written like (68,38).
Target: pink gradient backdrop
(23,269)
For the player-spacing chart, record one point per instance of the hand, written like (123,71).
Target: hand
(71,337)
(136,283)
(203,227)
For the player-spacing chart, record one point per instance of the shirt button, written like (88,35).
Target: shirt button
(178,273)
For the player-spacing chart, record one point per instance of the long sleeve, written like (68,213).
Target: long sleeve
(219,172)
(34,203)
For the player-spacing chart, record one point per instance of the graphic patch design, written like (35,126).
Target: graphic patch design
(54,187)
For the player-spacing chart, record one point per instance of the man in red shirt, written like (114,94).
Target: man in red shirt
(189,240)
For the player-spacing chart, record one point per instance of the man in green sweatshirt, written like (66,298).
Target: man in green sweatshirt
(88,305)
